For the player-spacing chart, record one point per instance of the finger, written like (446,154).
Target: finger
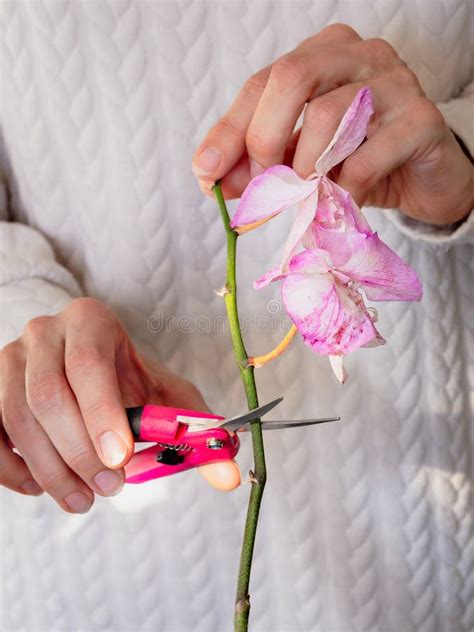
(224,144)
(45,464)
(234,183)
(53,404)
(91,337)
(323,114)
(224,476)
(384,152)
(14,472)
(294,79)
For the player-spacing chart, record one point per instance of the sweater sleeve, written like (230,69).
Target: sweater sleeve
(458,114)
(32,282)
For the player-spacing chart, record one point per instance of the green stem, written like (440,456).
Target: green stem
(242,598)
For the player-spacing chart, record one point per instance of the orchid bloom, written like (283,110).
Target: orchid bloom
(342,255)
(324,302)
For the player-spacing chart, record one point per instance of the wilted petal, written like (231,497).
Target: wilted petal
(381,272)
(272,275)
(337,366)
(331,318)
(350,133)
(306,262)
(339,245)
(305,216)
(353,217)
(376,342)
(310,262)
(339,224)
(268,194)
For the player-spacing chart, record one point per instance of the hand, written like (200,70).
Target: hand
(410,160)
(65,384)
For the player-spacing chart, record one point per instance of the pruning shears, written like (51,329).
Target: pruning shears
(185,439)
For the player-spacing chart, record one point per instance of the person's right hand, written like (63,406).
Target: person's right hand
(65,384)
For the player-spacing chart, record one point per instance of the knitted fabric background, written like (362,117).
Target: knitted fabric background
(367,525)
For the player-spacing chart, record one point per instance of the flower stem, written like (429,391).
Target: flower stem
(259,361)
(242,598)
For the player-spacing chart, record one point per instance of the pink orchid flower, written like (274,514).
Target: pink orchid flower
(321,285)
(325,211)
(324,301)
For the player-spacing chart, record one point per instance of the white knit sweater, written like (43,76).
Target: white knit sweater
(366,526)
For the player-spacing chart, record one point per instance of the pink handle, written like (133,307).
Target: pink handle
(144,465)
(188,449)
(160,423)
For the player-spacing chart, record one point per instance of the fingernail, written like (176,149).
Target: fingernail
(78,502)
(108,482)
(207,161)
(32,488)
(205,186)
(114,449)
(255,168)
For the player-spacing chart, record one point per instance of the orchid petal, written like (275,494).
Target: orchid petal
(339,245)
(310,262)
(381,272)
(350,133)
(269,277)
(354,219)
(331,318)
(337,366)
(268,194)
(306,262)
(306,212)
(339,224)
(376,342)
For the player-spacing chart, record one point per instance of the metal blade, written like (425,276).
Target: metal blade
(234,423)
(281,424)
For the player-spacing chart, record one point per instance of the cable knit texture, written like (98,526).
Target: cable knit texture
(367,526)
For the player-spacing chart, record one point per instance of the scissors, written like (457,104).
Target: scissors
(185,439)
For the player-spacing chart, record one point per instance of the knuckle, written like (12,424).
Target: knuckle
(102,409)
(428,115)
(82,457)
(16,415)
(44,390)
(84,306)
(289,71)
(229,124)
(320,115)
(380,51)
(341,29)
(53,481)
(82,358)
(360,172)
(264,148)
(14,420)
(36,328)
(10,352)
(404,76)
(255,85)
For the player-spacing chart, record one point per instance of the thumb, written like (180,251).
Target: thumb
(224,476)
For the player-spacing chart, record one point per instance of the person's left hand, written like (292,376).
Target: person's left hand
(411,159)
